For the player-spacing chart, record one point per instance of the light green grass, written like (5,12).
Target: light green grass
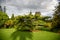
(11,34)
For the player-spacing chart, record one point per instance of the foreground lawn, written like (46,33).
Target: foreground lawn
(11,34)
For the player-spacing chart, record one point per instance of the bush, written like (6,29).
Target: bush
(3,17)
(43,28)
(54,29)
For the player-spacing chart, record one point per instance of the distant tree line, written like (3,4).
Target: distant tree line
(31,22)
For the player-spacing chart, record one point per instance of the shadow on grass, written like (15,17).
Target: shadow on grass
(58,38)
(21,35)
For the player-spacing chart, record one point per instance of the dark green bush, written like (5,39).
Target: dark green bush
(44,29)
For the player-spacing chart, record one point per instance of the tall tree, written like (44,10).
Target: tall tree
(56,18)
(3,17)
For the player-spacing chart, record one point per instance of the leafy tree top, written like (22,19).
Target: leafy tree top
(3,15)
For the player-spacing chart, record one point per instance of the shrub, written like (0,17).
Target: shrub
(3,17)
(44,28)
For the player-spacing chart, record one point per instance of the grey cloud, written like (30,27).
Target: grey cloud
(18,6)
(2,2)
(31,4)
(58,0)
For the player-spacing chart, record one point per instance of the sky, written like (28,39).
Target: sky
(22,7)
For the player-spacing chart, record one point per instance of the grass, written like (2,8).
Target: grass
(11,34)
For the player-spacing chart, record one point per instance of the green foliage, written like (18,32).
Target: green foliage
(9,24)
(3,17)
(56,19)
(26,22)
(12,17)
(37,15)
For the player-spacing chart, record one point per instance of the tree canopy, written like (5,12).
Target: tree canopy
(56,18)
(3,17)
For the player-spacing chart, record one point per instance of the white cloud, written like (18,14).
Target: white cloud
(23,6)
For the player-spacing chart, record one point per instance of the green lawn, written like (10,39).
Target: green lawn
(11,34)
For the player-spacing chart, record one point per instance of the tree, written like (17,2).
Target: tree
(9,24)
(3,17)
(56,18)
(37,15)
(12,17)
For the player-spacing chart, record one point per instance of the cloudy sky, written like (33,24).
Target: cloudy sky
(21,7)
